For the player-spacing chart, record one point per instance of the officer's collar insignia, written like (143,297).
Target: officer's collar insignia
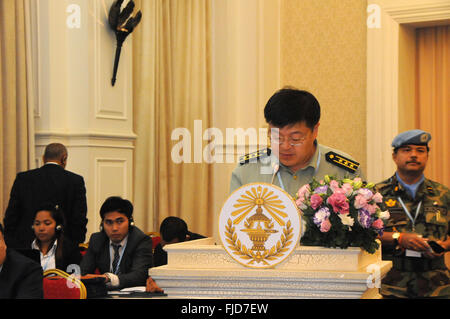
(342,162)
(390,203)
(253,157)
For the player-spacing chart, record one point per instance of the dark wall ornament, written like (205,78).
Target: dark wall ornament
(122,24)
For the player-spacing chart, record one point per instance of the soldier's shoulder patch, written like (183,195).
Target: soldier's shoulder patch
(390,202)
(342,162)
(253,157)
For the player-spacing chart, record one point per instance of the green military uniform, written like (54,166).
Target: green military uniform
(256,167)
(416,276)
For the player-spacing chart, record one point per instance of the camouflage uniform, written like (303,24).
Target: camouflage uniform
(413,277)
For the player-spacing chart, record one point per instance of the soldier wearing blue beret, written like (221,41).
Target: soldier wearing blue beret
(412,137)
(417,233)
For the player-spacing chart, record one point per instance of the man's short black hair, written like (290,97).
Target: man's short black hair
(289,106)
(116,204)
(173,227)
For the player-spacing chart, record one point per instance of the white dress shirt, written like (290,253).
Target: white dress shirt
(113,278)
(47,261)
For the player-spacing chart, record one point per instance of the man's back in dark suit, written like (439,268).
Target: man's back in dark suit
(49,183)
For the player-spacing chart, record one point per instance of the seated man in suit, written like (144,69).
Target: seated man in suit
(20,277)
(120,251)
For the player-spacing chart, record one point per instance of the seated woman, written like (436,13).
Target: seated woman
(56,251)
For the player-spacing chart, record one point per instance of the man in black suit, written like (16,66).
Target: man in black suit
(20,277)
(121,252)
(49,183)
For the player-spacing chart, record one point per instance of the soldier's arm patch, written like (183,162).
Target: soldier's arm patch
(253,157)
(342,162)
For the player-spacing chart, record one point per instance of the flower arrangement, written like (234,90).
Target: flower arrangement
(341,213)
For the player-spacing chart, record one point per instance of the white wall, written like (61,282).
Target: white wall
(72,61)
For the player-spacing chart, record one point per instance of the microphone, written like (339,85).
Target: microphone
(276,167)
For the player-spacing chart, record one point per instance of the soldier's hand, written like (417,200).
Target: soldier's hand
(413,241)
(431,254)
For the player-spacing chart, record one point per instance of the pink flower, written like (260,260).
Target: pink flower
(378,224)
(303,192)
(316,201)
(360,201)
(371,208)
(367,193)
(348,189)
(377,198)
(339,203)
(300,203)
(339,191)
(334,185)
(325,226)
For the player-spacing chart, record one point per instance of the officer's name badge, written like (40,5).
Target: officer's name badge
(259,225)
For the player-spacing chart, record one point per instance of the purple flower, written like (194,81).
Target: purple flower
(321,215)
(366,193)
(321,189)
(365,218)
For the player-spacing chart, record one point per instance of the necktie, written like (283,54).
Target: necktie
(116,259)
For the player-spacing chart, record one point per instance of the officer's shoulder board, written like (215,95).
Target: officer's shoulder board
(342,162)
(253,157)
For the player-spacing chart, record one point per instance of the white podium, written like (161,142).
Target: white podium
(203,269)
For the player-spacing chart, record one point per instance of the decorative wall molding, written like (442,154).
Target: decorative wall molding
(383,76)
(419,11)
(91,135)
(112,178)
(114,103)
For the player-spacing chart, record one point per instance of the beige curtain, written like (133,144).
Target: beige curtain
(14,133)
(433,97)
(172,88)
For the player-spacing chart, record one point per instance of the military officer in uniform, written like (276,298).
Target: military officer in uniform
(295,156)
(416,235)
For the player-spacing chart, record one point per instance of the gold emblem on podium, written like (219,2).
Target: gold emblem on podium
(259,225)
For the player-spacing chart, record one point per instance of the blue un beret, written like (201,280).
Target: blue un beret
(415,137)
